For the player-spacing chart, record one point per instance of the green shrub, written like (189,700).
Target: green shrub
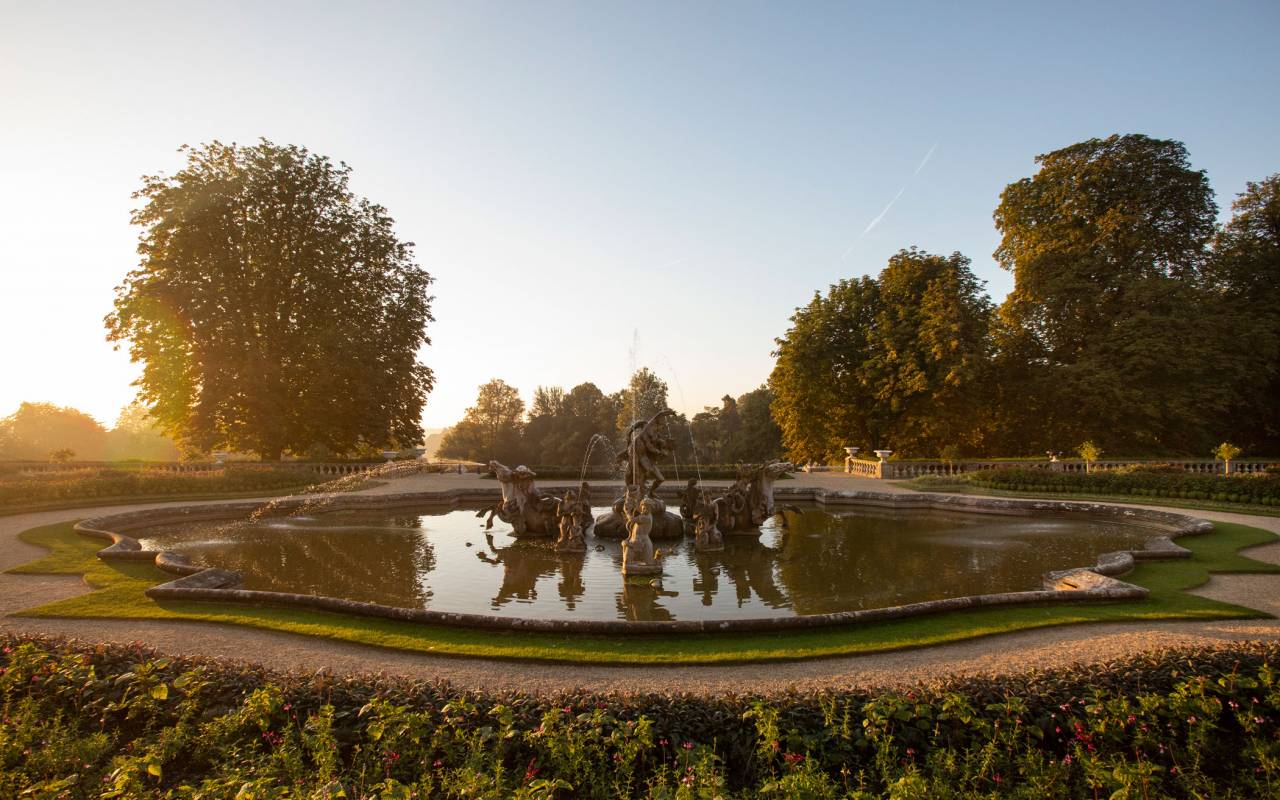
(17,490)
(1254,489)
(84,721)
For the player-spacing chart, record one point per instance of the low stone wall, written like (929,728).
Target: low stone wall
(1083,584)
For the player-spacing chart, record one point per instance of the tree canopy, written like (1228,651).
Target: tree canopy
(1107,244)
(272,309)
(886,361)
(36,430)
(490,429)
(741,430)
(560,426)
(1244,275)
(1135,323)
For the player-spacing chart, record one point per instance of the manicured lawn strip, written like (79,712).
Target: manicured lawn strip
(962,487)
(120,587)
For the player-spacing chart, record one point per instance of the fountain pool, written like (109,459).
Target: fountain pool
(822,562)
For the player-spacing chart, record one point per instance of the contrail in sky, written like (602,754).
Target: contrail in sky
(878,217)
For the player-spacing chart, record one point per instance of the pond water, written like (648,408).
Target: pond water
(825,562)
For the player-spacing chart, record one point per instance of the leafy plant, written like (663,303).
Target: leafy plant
(62,455)
(1089,453)
(112,721)
(1226,451)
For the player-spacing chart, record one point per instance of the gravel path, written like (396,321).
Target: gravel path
(1005,653)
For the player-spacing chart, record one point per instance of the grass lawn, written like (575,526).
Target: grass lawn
(120,590)
(930,484)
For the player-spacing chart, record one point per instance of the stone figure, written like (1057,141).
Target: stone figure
(646,446)
(573,513)
(637,551)
(528,510)
(690,498)
(707,536)
(613,524)
(749,502)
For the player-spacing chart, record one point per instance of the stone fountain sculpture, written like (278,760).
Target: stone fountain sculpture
(749,502)
(528,510)
(701,512)
(637,550)
(647,445)
(573,513)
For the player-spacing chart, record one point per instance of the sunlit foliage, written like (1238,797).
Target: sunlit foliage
(272,309)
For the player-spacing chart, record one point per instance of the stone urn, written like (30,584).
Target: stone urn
(850,453)
(390,455)
(220,457)
(883,455)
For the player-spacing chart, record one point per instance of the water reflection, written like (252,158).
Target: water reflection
(821,563)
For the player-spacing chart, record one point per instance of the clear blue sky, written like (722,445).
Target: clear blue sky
(582,176)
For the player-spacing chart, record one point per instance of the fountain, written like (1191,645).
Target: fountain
(646,446)
(528,510)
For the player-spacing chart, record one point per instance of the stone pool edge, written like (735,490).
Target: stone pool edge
(1097,583)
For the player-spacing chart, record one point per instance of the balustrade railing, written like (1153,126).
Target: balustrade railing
(915,469)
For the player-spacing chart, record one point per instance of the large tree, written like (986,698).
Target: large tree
(645,395)
(887,362)
(1244,278)
(491,429)
(821,400)
(561,425)
(1107,246)
(929,352)
(272,308)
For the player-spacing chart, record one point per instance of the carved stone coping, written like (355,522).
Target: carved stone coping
(1081,584)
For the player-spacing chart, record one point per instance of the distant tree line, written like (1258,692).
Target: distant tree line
(1135,321)
(562,427)
(43,431)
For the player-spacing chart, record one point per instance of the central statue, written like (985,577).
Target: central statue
(647,444)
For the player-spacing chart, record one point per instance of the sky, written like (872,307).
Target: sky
(594,186)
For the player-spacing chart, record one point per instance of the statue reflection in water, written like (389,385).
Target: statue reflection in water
(749,568)
(522,565)
(639,600)
(571,587)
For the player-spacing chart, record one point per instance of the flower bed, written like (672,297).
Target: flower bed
(122,722)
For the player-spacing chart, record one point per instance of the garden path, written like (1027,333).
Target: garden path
(1000,654)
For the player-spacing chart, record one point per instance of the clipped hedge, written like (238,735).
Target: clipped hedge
(104,483)
(611,473)
(1155,481)
(81,721)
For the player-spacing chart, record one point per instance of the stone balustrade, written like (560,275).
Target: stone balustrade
(898,470)
(328,469)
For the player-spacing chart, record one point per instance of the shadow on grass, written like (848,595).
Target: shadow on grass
(119,593)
